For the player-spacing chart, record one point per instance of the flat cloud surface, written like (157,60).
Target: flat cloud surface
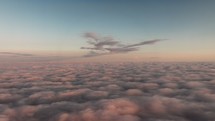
(107,92)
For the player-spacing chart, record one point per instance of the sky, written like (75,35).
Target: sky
(57,26)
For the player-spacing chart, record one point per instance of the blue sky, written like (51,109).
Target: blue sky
(55,25)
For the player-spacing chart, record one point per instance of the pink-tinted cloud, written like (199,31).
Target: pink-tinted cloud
(107,92)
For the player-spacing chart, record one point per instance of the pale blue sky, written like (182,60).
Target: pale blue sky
(53,25)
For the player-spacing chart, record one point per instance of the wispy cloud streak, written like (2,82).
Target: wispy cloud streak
(16,54)
(144,43)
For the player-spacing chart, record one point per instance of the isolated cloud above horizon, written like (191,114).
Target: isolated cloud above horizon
(108,45)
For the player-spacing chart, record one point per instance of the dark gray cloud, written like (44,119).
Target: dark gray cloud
(107,92)
(107,45)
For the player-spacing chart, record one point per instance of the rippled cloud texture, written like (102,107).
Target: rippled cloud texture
(107,92)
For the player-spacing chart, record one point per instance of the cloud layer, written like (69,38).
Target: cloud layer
(108,45)
(107,92)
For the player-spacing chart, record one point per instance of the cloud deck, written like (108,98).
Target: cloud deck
(107,92)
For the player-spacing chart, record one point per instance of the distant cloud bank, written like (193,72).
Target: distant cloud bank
(15,54)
